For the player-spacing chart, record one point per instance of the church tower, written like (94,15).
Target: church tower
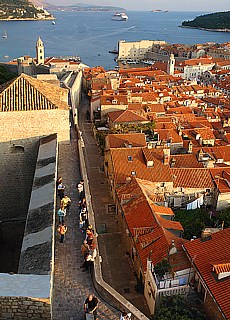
(40,51)
(171,65)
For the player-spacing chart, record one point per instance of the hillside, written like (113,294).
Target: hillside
(219,21)
(77,7)
(22,10)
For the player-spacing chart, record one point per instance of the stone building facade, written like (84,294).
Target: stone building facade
(33,108)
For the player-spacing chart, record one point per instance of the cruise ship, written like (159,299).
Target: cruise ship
(120,16)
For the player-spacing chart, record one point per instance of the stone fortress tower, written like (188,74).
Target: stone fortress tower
(171,65)
(40,51)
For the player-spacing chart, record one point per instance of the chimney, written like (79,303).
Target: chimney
(190,146)
(200,155)
(149,145)
(166,158)
(172,163)
(172,249)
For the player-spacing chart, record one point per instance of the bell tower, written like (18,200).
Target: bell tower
(171,65)
(40,51)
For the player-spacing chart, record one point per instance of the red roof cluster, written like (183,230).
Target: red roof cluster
(212,254)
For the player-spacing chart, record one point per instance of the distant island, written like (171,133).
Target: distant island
(219,21)
(78,7)
(22,10)
(159,10)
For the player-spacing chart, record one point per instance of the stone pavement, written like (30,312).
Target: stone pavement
(71,285)
(116,265)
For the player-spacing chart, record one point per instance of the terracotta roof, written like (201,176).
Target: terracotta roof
(146,228)
(135,106)
(186,161)
(205,133)
(120,140)
(169,224)
(221,177)
(108,100)
(162,210)
(123,168)
(204,255)
(125,116)
(192,178)
(167,134)
(54,95)
(149,96)
(155,108)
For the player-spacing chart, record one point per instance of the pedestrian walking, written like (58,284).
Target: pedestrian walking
(61,190)
(62,229)
(83,219)
(59,180)
(88,261)
(80,188)
(89,237)
(82,204)
(125,316)
(61,214)
(84,248)
(91,305)
(66,202)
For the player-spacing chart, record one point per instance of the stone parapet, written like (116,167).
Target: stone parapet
(34,123)
(103,288)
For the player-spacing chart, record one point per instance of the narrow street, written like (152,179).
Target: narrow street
(116,265)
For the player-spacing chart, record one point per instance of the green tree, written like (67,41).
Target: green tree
(217,20)
(177,308)
(6,75)
(223,216)
(193,221)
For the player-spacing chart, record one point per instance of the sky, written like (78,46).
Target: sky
(146,5)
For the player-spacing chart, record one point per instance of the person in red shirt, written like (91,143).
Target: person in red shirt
(62,229)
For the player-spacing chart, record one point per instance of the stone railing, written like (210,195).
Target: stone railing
(103,288)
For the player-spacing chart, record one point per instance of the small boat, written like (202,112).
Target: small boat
(124,62)
(6,56)
(53,23)
(114,51)
(120,16)
(4,35)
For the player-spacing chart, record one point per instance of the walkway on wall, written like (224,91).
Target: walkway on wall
(71,285)
(116,265)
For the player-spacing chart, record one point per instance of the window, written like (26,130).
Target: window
(130,158)
(133,173)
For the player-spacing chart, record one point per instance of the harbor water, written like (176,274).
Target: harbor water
(92,34)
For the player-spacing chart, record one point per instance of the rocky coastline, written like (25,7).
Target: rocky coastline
(28,19)
(206,29)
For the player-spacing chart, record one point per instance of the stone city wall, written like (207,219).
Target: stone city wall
(28,294)
(74,83)
(36,123)
(103,288)
(17,165)
(21,308)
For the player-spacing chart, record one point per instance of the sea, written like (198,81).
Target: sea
(91,35)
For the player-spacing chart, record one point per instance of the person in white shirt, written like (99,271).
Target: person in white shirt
(80,188)
(125,316)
